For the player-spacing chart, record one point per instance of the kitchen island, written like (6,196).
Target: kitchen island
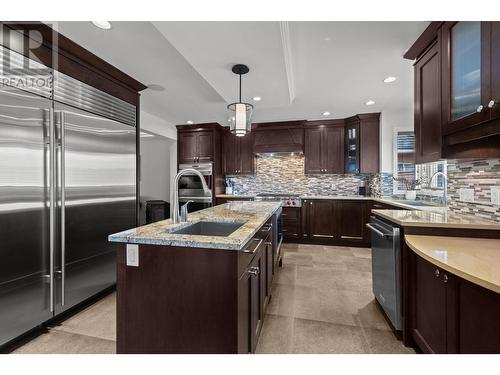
(179,292)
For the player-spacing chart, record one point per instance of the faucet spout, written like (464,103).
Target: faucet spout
(445,185)
(175,188)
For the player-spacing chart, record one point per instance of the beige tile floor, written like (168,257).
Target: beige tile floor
(321,303)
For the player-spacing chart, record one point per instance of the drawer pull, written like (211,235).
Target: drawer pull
(437,273)
(254,271)
(445,279)
(247,250)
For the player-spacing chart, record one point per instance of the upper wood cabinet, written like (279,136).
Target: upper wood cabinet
(466,73)
(196,146)
(199,143)
(362,143)
(237,154)
(428,106)
(495,69)
(468,84)
(324,149)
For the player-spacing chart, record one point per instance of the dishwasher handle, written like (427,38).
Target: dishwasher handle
(378,231)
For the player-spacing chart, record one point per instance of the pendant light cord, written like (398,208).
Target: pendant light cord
(240,88)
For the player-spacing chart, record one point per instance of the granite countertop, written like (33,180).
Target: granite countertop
(431,219)
(473,259)
(253,214)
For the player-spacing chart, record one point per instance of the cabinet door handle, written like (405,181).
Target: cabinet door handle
(266,228)
(445,278)
(436,272)
(254,271)
(479,108)
(491,104)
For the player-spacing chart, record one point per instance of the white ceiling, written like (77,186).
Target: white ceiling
(300,69)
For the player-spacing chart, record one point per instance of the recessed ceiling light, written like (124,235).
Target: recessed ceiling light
(326,113)
(327,38)
(370,102)
(257,98)
(105,25)
(189,122)
(390,79)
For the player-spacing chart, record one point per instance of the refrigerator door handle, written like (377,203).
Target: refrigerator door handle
(63,203)
(52,203)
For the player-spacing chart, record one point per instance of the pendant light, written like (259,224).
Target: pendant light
(240,114)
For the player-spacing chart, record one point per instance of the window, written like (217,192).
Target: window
(405,167)
(404,159)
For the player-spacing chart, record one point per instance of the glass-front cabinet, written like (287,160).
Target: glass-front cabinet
(466,64)
(352,147)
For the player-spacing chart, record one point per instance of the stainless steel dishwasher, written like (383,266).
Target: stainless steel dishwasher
(386,253)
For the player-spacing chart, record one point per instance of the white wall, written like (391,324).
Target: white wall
(389,120)
(158,126)
(158,160)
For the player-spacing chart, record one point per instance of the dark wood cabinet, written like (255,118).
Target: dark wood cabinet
(362,143)
(324,149)
(468,83)
(254,289)
(322,215)
(251,295)
(478,312)
(237,154)
(202,143)
(257,285)
(187,145)
(427,115)
(313,162)
(494,101)
(195,146)
(352,219)
(447,314)
(205,146)
(465,48)
(429,306)
(328,221)
(352,145)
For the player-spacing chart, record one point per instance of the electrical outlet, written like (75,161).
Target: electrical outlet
(132,255)
(466,195)
(495,195)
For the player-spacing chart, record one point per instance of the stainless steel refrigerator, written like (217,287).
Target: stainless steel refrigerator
(67,180)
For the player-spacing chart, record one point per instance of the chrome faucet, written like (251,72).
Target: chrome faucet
(175,199)
(445,185)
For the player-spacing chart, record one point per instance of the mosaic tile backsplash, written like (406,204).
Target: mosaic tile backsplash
(285,174)
(479,175)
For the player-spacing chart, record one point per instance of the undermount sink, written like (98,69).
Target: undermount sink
(209,228)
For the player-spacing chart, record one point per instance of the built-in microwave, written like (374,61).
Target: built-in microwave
(191,189)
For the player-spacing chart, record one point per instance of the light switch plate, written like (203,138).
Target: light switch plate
(132,255)
(495,195)
(466,195)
